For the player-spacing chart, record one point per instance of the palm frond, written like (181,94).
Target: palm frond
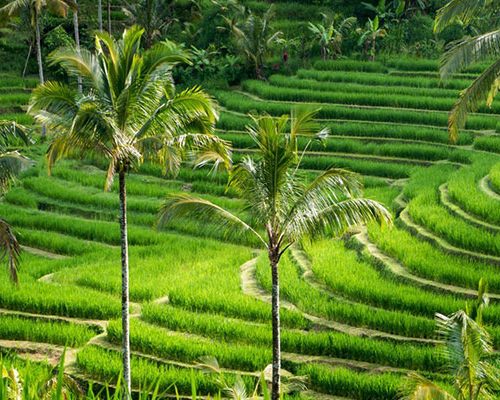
(484,88)
(463,10)
(470,50)
(182,205)
(9,249)
(418,387)
(303,123)
(335,219)
(12,133)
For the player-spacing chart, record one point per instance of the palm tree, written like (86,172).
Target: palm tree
(369,36)
(330,34)
(254,38)
(35,8)
(468,350)
(466,52)
(153,15)
(282,204)
(11,163)
(128,112)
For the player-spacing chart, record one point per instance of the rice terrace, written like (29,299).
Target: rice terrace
(249,199)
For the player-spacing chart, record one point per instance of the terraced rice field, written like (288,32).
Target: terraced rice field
(357,312)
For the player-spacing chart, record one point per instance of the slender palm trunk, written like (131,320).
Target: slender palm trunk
(275,294)
(125,284)
(99,14)
(77,43)
(109,17)
(38,40)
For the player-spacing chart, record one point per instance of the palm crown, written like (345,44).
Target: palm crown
(130,110)
(276,196)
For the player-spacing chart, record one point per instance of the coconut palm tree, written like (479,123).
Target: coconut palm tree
(11,163)
(281,203)
(468,350)
(129,111)
(465,52)
(35,9)
(254,37)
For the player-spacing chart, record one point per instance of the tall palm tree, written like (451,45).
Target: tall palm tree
(466,52)
(11,163)
(281,203)
(254,37)
(129,111)
(468,350)
(35,9)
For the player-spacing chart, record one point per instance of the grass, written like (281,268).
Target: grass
(463,188)
(494,176)
(349,65)
(244,104)
(380,79)
(352,313)
(374,146)
(105,365)
(365,130)
(421,258)
(366,97)
(353,87)
(157,341)
(45,331)
(426,211)
(319,343)
(351,278)
(356,385)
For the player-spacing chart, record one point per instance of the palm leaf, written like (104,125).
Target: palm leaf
(182,205)
(9,249)
(470,50)
(484,87)
(463,10)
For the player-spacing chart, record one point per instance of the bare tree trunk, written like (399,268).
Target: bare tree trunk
(77,42)
(38,40)
(99,14)
(109,17)
(275,294)
(125,284)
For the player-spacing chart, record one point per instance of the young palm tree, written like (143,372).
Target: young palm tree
(128,112)
(254,37)
(282,204)
(468,51)
(11,163)
(468,350)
